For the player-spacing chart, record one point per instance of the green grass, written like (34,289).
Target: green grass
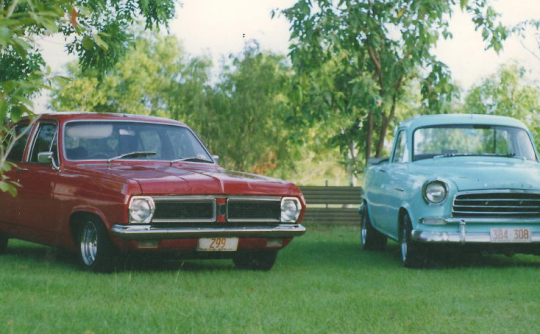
(322,283)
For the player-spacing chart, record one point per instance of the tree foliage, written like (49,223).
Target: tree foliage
(241,117)
(354,61)
(155,77)
(507,93)
(249,107)
(529,29)
(98,30)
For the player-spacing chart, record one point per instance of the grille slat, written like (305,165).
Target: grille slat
(497,204)
(498,207)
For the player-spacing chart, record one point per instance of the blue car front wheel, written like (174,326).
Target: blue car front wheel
(412,253)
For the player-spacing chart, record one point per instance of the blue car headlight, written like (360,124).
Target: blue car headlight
(435,192)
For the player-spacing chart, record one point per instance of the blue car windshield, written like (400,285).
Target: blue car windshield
(113,140)
(472,140)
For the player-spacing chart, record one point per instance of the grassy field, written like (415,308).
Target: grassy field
(322,283)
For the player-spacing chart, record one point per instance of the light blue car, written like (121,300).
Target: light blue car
(471,180)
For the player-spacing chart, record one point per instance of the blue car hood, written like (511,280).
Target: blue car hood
(479,173)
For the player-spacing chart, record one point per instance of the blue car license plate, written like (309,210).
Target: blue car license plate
(511,235)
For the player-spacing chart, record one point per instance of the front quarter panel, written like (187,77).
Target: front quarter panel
(418,208)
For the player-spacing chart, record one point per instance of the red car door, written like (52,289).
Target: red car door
(8,203)
(35,202)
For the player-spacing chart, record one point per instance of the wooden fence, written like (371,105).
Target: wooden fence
(332,205)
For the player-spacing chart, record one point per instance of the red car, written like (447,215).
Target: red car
(108,184)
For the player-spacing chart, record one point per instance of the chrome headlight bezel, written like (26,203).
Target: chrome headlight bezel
(141,203)
(290,209)
(429,195)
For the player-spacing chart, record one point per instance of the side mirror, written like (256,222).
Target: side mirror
(47,158)
(44,157)
(216,159)
(376,161)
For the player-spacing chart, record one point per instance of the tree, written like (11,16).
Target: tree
(354,61)
(242,117)
(507,93)
(99,36)
(249,112)
(155,77)
(529,29)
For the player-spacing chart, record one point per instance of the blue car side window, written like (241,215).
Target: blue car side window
(401,153)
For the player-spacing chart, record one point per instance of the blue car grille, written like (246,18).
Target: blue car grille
(494,204)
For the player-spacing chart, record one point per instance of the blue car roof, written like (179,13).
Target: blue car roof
(454,119)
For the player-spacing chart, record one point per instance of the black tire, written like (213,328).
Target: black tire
(263,260)
(370,238)
(96,252)
(412,253)
(3,243)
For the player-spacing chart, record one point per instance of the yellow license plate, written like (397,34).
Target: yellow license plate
(511,235)
(217,244)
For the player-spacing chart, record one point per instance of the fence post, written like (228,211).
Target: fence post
(326,183)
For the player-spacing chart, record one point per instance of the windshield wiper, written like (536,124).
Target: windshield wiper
(192,159)
(132,155)
(509,155)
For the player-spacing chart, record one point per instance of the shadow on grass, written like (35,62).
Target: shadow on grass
(26,254)
(169,263)
(323,249)
(328,248)
(459,258)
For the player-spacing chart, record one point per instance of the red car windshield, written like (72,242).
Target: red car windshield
(112,140)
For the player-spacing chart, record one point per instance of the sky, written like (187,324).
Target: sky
(218,28)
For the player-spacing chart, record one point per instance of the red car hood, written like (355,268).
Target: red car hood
(184,179)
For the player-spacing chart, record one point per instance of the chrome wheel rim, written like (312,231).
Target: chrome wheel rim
(89,243)
(363,230)
(404,245)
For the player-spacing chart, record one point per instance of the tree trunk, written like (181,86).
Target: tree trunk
(384,126)
(369,136)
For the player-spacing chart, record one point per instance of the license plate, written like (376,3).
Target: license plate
(511,235)
(218,244)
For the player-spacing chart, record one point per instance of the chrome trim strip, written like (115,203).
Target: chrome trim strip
(497,206)
(497,212)
(254,198)
(194,198)
(253,220)
(498,191)
(147,232)
(495,220)
(458,237)
(497,200)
